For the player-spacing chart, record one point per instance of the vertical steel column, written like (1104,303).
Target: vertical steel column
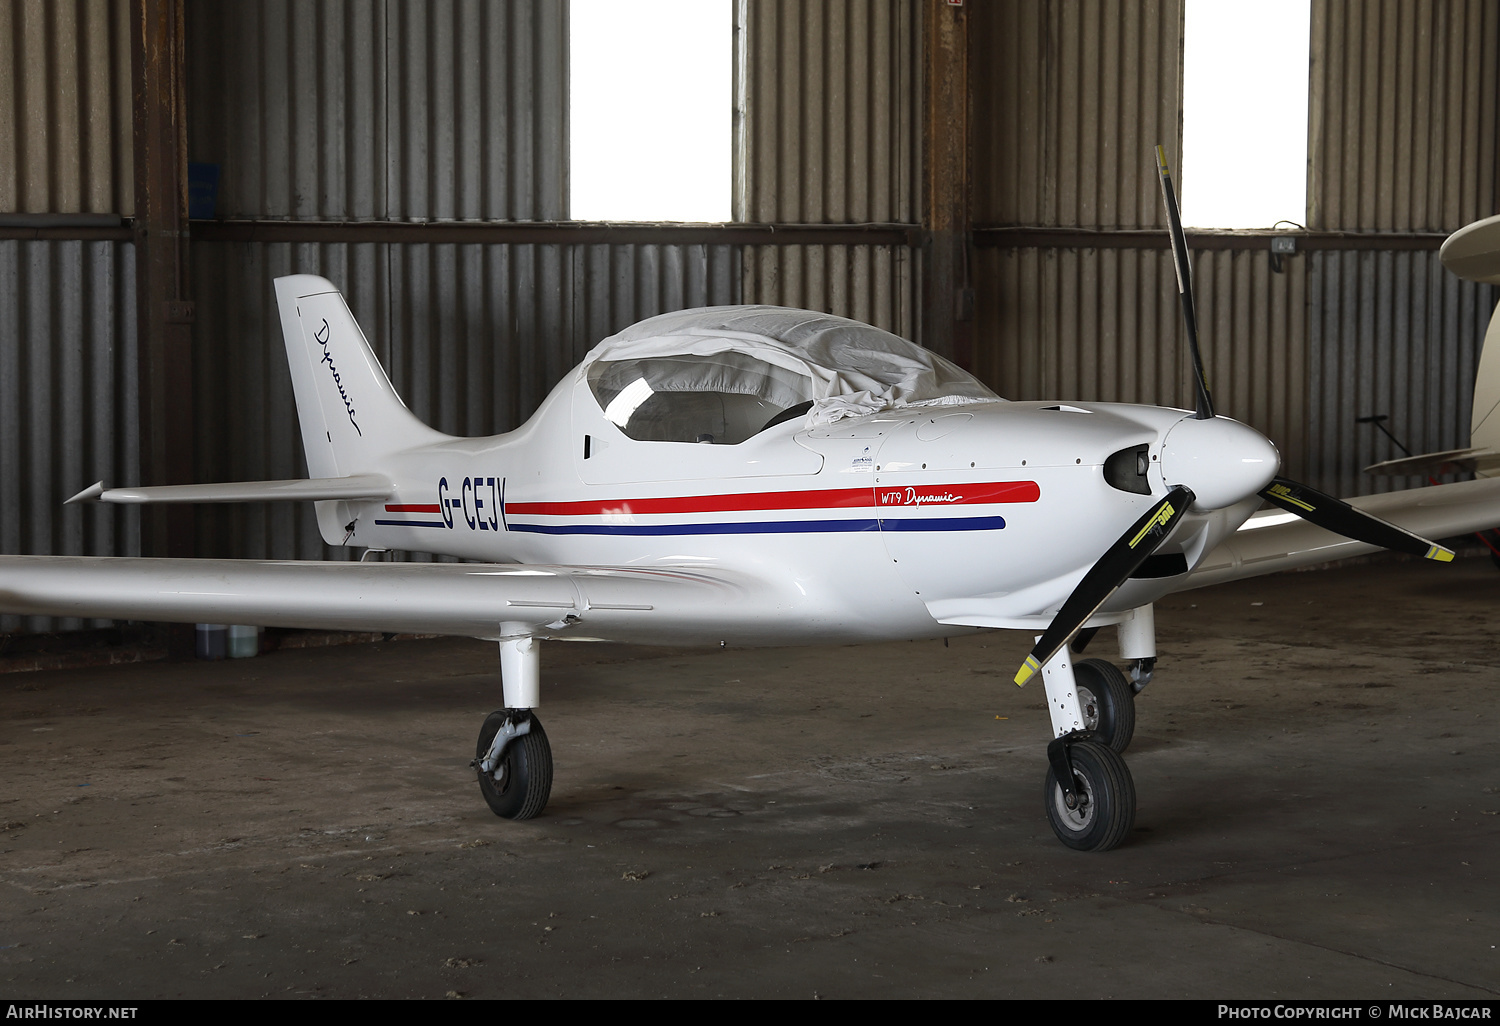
(947,298)
(164,314)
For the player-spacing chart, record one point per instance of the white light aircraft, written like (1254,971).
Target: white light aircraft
(760,476)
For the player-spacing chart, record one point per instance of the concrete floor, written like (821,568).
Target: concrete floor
(1316,765)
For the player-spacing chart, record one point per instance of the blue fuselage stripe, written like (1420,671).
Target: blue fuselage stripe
(944,524)
(773,527)
(410,523)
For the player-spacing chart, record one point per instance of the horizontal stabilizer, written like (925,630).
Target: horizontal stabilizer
(356,486)
(1450,461)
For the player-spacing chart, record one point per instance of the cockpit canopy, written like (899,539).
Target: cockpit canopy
(722,374)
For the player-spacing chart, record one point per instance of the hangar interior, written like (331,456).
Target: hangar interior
(975,176)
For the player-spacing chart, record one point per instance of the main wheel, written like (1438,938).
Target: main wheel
(1107,700)
(1106,799)
(521,784)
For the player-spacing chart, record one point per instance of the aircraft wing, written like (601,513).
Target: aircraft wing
(1273,540)
(481,600)
(1476,459)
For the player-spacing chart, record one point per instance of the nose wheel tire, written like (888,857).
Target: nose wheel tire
(520,785)
(1105,809)
(1107,700)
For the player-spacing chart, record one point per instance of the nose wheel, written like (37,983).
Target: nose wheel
(516,779)
(1100,810)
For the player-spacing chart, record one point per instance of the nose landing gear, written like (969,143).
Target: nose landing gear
(1089,794)
(1098,811)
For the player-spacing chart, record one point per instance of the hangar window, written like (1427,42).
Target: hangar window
(1244,113)
(650,109)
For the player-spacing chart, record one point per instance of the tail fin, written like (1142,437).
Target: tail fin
(1484,429)
(351,416)
(1473,252)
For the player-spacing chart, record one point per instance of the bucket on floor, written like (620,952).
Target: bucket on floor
(211,640)
(243,642)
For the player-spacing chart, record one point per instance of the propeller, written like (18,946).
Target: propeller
(1221,457)
(1113,569)
(1205,407)
(1341,518)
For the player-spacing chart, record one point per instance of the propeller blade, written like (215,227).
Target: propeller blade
(1341,518)
(1113,569)
(1205,408)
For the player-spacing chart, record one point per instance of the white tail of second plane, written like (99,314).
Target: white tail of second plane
(351,416)
(1473,252)
(1484,429)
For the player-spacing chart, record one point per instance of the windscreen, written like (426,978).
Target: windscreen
(723,398)
(722,374)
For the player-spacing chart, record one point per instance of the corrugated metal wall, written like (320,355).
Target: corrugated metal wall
(398,110)
(830,133)
(876,284)
(381,109)
(832,90)
(1402,115)
(67,308)
(1069,97)
(67,399)
(65,113)
(1402,138)
(1390,333)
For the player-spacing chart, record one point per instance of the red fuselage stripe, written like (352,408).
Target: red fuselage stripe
(826,498)
(413,508)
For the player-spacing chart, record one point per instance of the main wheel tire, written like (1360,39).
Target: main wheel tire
(525,770)
(1106,809)
(1107,700)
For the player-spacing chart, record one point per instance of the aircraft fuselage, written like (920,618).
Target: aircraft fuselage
(977,514)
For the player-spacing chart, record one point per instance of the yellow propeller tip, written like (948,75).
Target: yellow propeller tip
(1027,671)
(1440,554)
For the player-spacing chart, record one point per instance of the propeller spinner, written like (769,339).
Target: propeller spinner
(1217,462)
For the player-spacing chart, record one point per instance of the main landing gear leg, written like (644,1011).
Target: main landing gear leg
(1089,795)
(512,757)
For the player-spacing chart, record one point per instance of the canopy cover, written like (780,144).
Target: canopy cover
(847,368)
